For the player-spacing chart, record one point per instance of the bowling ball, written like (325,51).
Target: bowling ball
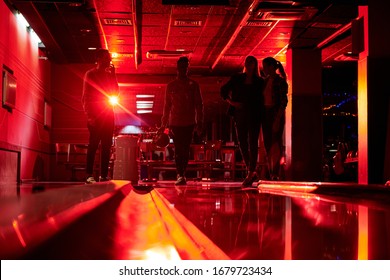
(161,140)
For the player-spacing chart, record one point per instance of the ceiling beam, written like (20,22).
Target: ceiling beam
(49,33)
(245,18)
(105,44)
(264,37)
(137,23)
(334,35)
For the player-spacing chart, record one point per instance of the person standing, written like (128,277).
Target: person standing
(100,84)
(183,112)
(243,92)
(275,102)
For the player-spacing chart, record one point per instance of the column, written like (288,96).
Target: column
(304,143)
(373,46)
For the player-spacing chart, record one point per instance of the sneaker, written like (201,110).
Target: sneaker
(90,180)
(180,181)
(250,179)
(104,179)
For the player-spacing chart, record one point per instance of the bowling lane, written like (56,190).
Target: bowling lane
(32,213)
(218,220)
(288,221)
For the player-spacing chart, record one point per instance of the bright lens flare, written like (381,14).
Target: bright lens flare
(113,100)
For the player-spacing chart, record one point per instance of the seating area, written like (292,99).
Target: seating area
(211,161)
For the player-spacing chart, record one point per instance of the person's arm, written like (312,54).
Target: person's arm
(114,81)
(86,98)
(283,90)
(167,108)
(226,89)
(283,87)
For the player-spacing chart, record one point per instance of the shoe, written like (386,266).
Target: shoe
(250,179)
(90,180)
(104,179)
(275,178)
(180,181)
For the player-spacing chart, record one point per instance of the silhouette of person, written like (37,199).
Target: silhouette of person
(183,111)
(99,84)
(243,92)
(275,102)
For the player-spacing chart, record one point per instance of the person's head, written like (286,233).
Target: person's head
(251,66)
(103,58)
(270,65)
(182,66)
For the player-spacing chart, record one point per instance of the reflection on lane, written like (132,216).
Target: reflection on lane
(255,224)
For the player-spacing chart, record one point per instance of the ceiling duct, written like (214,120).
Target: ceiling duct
(153,54)
(187,22)
(328,25)
(346,57)
(117,21)
(291,14)
(259,23)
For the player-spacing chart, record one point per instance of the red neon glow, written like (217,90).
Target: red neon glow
(363,233)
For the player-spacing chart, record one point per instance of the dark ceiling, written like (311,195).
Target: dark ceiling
(147,36)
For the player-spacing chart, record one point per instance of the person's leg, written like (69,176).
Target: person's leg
(187,138)
(267,129)
(276,149)
(92,148)
(267,123)
(182,137)
(253,137)
(241,125)
(254,145)
(179,149)
(106,138)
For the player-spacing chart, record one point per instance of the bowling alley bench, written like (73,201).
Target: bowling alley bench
(203,169)
(210,160)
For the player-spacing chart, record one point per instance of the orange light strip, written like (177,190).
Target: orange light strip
(15,225)
(188,239)
(362,101)
(288,187)
(363,233)
(288,230)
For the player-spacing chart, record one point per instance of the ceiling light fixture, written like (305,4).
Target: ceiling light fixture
(187,22)
(75,4)
(144,111)
(144,96)
(166,54)
(117,21)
